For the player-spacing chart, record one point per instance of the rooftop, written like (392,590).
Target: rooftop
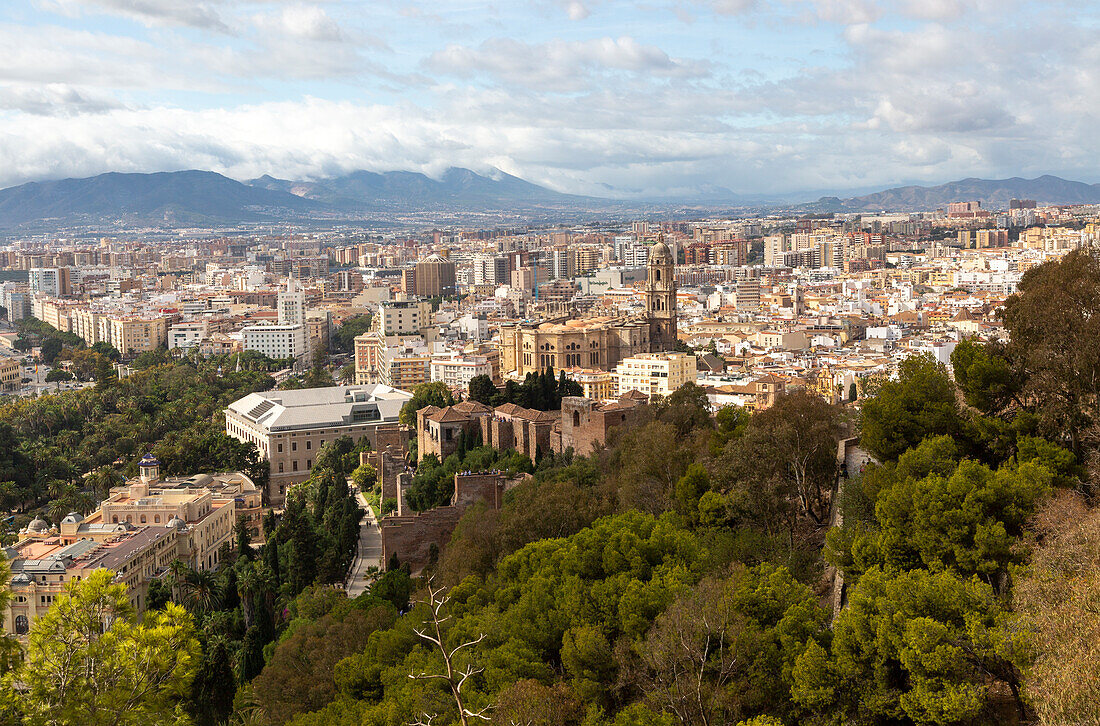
(318,407)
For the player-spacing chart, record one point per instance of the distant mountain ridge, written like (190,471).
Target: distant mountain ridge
(207,199)
(171,198)
(198,198)
(990,192)
(366,190)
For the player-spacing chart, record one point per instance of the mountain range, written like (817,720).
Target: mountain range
(990,192)
(204,198)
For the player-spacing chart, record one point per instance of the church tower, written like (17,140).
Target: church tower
(660,297)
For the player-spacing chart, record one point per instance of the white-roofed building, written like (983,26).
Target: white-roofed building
(289,427)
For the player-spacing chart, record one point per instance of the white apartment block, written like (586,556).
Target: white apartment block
(187,335)
(278,341)
(456,371)
(654,374)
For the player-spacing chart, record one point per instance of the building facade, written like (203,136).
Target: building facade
(289,427)
(655,374)
(599,342)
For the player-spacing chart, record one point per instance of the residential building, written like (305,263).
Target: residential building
(435,277)
(655,374)
(51,281)
(403,317)
(457,370)
(11,374)
(278,341)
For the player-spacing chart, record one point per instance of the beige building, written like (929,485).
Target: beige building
(435,277)
(599,342)
(44,562)
(205,520)
(655,374)
(289,427)
(133,335)
(137,533)
(11,374)
(403,317)
(597,385)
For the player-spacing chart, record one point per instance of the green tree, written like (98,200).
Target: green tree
(343,339)
(920,403)
(915,645)
(727,649)
(936,512)
(985,376)
(426,394)
(1053,322)
(482,390)
(212,690)
(364,477)
(90,662)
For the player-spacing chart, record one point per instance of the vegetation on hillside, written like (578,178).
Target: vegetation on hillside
(687,572)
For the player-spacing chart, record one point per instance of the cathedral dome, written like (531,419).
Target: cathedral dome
(660,252)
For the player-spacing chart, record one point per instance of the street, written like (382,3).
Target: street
(370,550)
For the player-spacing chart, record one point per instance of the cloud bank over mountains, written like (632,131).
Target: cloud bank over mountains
(760,96)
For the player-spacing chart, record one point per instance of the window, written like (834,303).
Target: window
(294,465)
(293,445)
(280,467)
(309,444)
(280,448)
(156,519)
(143,519)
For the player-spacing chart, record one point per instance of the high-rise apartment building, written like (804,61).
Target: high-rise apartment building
(435,277)
(51,281)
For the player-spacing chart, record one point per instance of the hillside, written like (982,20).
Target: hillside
(166,198)
(993,193)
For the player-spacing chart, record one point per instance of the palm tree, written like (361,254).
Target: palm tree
(102,479)
(200,591)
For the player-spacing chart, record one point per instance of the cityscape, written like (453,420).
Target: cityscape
(404,365)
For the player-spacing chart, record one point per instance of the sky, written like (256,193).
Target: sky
(586,96)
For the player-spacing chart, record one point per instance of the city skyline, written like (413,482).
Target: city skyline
(600,98)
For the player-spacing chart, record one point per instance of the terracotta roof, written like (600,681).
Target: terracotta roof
(472,407)
(448,415)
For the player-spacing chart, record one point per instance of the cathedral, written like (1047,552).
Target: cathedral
(598,342)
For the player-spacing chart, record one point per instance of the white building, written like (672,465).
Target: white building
(654,374)
(456,370)
(186,335)
(51,281)
(292,304)
(278,341)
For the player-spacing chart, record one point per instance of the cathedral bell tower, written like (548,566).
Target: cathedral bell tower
(660,297)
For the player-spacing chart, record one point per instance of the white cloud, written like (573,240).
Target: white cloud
(303,22)
(560,65)
(190,13)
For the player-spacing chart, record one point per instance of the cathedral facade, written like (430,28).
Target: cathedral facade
(599,342)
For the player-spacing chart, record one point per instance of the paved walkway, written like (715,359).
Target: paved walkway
(370,550)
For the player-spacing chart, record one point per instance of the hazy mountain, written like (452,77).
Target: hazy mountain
(411,191)
(992,193)
(170,198)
